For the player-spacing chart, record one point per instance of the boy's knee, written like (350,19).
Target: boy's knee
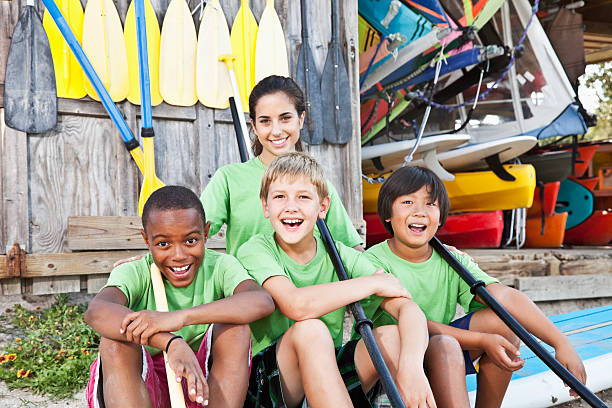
(387,335)
(309,332)
(234,339)
(445,349)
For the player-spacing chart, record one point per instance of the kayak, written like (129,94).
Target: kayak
(550,166)
(576,200)
(554,231)
(473,230)
(595,230)
(550,193)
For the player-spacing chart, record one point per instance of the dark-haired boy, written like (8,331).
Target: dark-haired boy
(202,287)
(299,344)
(413,204)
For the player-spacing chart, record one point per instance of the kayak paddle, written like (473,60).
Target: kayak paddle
(175,389)
(131,144)
(177,56)
(146,132)
(335,87)
(237,111)
(478,288)
(270,47)
(244,37)
(30,94)
(68,75)
(212,78)
(131,46)
(309,80)
(104,45)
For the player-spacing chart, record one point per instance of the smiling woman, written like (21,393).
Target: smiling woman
(231,197)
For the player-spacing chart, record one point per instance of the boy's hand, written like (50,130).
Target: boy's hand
(415,390)
(387,285)
(185,364)
(140,326)
(568,358)
(503,353)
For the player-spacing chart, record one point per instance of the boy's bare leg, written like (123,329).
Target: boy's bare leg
(229,375)
(446,371)
(122,375)
(492,380)
(307,363)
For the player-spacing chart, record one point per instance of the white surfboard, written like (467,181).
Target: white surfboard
(385,157)
(472,156)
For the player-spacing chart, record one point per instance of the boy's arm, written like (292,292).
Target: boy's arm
(531,317)
(248,303)
(311,302)
(412,327)
(107,310)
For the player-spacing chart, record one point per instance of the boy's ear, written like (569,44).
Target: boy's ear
(146,240)
(206,230)
(324,207)
(264,205)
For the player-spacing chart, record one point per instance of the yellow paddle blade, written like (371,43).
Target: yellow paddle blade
(270,50)
(69,76)
(104,45)
(150,182)
(131,46)
(177,56)
(138,157)
(244,38)
(213,84)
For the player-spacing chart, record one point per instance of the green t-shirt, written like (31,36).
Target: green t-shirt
(263,258)
(433,284)
(232,197)
(217,278)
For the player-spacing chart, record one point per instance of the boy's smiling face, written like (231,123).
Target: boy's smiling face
(176,240)
(293,207)
(415,219)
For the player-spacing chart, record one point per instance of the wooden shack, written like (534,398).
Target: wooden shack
(83,169)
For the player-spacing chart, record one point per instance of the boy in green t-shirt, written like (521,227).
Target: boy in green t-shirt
(299,345)
(202,287)
(412,205)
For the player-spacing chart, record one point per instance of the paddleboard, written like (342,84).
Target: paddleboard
(213,84)
(177,56)
(549,193)
(550,166)
(535,386)
(595,230)
(385,157)
(104,45)
(554,231)
(477,191)
(473,230)
(472,156)
(576,200)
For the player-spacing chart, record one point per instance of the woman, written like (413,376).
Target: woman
(277,111)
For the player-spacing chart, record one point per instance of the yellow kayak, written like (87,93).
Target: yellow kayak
(477,191)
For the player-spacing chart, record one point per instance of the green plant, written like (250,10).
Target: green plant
(51,349)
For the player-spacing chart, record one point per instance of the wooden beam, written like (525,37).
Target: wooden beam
(602,55)
(596,27)
(74,263)
(104,233)
(598,38)
(547,288)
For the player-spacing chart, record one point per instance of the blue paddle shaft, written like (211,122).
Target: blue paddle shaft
(109,105)
(143,65)
(478,288)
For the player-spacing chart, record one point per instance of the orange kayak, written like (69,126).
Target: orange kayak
(554,231)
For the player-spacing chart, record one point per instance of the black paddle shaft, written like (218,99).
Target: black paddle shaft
(242,148)
(363,324)
(478,288)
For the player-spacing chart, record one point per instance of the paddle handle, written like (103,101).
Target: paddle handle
(229,61)
(177,400)
(478,288)
(363,324)
(143,64)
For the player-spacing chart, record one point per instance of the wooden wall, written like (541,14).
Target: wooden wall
(82,168)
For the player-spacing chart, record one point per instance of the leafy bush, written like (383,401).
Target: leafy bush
(51,351)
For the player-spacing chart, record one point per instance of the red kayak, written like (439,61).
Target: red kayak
(554,231)
(588,182)
(583,160)
(551,190)
(595,230)
(473,230)
(376,232)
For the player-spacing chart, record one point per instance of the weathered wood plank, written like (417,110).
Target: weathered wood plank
(58,284)
(96,282)
(549,288)
(75,263)
(104,233)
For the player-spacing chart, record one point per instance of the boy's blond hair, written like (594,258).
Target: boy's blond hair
(294,165)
